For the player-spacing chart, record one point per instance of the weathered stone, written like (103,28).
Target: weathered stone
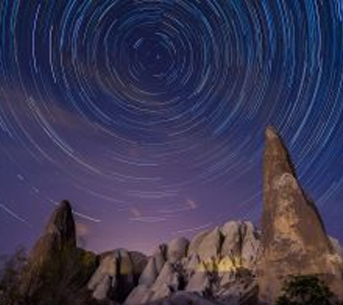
(195,243)
(251,246)
(139,262)
(104,279)
(57,241)
(160,255)
(241,243)
(192,264)
(114,278)
(140,295)
(149,274)
(207,245)
(199,281)
(163,292)
(57,271)
(168,277)
(336,246)
(177,249)
(294,240)
(232,239)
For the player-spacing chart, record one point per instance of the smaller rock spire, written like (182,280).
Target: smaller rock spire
(53,254)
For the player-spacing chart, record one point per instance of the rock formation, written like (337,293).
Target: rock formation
(215,265)
(233,264)
(57,270)
(293,240)
(116,275)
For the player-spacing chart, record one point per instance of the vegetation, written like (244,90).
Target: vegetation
(305,290)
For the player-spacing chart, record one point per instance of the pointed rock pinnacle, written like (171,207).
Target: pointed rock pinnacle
(294,240)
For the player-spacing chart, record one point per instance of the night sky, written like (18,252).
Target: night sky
(149,115)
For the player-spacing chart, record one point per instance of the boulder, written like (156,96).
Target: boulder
(210,246)
(167,278)
(206,244)
(250,251)
(195,243)
(232,244)
(200,281)
(104,279)
(177,249)
(115,277)
(149,274)
(140,295)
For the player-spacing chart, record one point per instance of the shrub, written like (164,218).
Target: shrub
(305,290)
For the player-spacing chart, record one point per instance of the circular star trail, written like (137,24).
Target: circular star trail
(150,113)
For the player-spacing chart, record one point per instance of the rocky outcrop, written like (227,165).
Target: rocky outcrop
(294,240)
(241,243)
(215,264)
(59,239)
(57,270)
(116,275)
(177,249)
(199,280)
(167,282)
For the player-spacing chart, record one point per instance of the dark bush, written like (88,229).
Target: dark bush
(305,290)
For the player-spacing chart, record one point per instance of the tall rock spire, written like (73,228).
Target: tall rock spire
(294,240)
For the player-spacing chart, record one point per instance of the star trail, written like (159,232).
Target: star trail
(148,115)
